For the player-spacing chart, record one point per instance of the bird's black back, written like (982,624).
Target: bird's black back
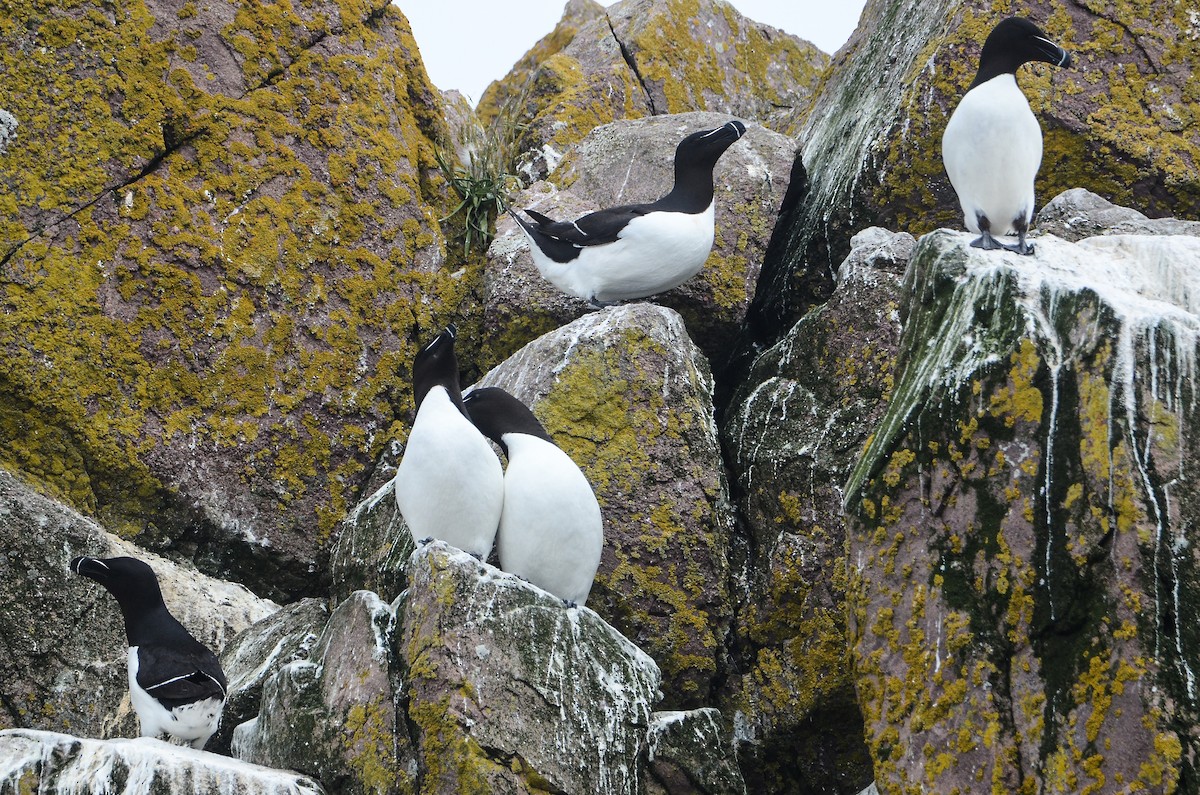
(496,412)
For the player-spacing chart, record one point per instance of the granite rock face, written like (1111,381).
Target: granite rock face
(629,162)
(218,229)
(628,396)
(648,58)
(39,761)
(1021,556)
(1118,123)
(63,666)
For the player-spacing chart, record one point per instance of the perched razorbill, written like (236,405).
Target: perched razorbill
(551,533)
(637,250)
(992,146)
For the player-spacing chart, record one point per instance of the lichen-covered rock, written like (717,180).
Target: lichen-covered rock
(691,753)
(40,761)
(1078,213)
(511,691)
(258,652)
(1022,557)
(794,432)
(654,57)
(628,396)
(629,162)
(333,715)
(64,661)
(373,543)
(1120,122)
(218,230)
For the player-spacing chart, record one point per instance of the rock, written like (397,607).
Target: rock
(64,661)
(510,691)
(40,761)
(1021,560)
(215,254)
(629,397)
(1078,213)
(333,715)
(629,162)
(1113,123)
(793,433)
(649,58)
(690,752)
(257,653)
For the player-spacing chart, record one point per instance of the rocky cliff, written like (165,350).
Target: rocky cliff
(883,512)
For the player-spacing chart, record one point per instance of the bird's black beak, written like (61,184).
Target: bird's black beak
(92,568)
(739,129)
(1052,53)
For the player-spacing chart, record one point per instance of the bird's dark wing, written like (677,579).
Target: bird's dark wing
(178,677)
(593,229)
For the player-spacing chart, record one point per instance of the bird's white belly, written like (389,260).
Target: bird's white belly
(653,254)
(992,149)
(449,484)
(191,723)
(551,530)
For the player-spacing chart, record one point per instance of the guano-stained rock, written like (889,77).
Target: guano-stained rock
(691,753)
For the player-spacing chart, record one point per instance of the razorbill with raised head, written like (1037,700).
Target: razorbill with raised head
(637,250)
(449,484)
(175,682)
(992,146)
(551,533)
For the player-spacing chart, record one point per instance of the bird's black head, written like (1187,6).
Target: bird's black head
(704,148)
(436,365)
(130,580)
(1015,41)
(496,412)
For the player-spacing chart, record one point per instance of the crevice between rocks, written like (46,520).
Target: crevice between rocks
(627,55)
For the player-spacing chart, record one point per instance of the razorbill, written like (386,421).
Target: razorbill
(637,250)
(992,146)
(175,682)
(551,532)
(449,484)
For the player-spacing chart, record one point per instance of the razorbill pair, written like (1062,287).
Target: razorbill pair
(992,146)
(175,682)
(637,250)
(450,485)
(551,532)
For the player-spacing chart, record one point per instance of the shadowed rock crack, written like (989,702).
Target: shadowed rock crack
(632,62)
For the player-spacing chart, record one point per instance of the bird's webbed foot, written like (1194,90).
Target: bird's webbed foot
(987,243)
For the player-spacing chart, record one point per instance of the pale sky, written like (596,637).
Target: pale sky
(466,44)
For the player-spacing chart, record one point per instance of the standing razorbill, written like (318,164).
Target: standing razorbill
(551,533)
(637,250)
(449,484)
(175,682)
(992,146)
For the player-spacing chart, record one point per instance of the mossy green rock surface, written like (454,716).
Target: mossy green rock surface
(628,396)
(1121,122)
(654,57)
(1023,566)
(793,433)
(218,229)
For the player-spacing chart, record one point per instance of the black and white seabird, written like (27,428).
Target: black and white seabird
(992,146)
(637,250)
(175,682)
(449,484)
(551,533)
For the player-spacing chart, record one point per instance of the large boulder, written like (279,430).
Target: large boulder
(218,232)
(40,761)
(1023,565)
(628,396)
(793,433)
(690,753)
(648,58)
(629,162)
(64,661)
(509,690)
(1078,213)
(1115,123)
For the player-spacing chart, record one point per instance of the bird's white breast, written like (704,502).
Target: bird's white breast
(653,253)
(449,484)
(992,149)
(192,723)
(551,530)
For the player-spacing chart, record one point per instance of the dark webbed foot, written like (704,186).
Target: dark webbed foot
(569,603)
(596,303)
(987,243)
(426,541)
(1022,247)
